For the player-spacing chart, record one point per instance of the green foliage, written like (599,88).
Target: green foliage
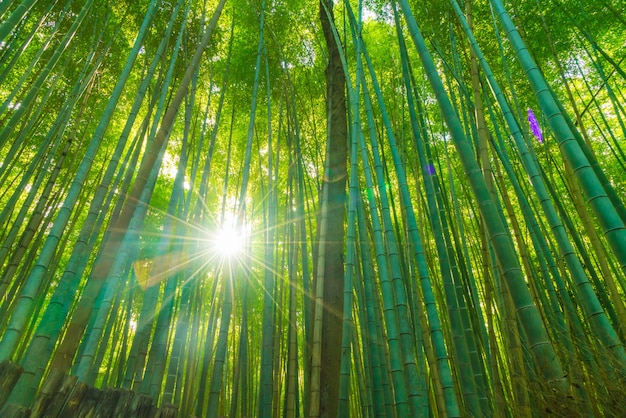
(422,252)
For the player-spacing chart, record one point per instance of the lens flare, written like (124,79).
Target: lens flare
(230,240)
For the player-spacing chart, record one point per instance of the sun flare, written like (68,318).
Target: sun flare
(230,240)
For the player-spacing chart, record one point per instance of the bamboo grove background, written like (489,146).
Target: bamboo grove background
(483,255)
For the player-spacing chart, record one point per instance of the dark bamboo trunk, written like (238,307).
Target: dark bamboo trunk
(334,243)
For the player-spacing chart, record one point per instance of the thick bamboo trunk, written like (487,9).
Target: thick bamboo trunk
(331,248)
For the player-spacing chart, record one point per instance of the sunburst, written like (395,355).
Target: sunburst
(229,240)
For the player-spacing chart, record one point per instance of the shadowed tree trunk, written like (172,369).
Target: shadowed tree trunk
(331,244)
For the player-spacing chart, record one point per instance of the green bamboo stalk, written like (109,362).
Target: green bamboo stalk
(348,334)
(360,343)
(208,348)
(589,299)
(38,84)
(116,379)
(141,339)
(17,52)
(447,267)
(386,287)
(610,221)
(381,398)
(108,340)
(253,108)
(241,363)
(200,210)
(266,383)
(16,16)
(119,271)
(300,207)
(541,347)
(291,408)
(227,276)
(451,402)
(25,307)
(318,308)
(82,87)
(48,330)
(103,263)
(32,227)
(43,156)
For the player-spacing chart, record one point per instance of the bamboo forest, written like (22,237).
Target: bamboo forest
(296,208)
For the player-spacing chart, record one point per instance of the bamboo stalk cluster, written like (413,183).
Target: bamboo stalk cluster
(412,249)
